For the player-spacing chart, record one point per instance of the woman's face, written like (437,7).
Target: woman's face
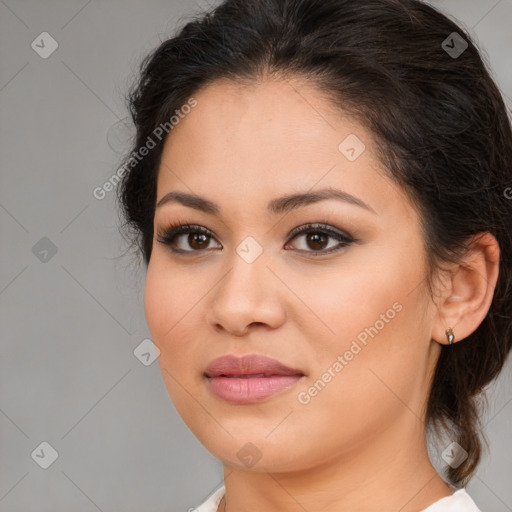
(357,321)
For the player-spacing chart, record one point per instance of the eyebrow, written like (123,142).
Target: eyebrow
(277,206)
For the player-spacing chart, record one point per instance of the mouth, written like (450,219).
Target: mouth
(250,378)
(250,388)
(253,375)
(249,365)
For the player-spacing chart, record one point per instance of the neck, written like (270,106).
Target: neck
(392,472)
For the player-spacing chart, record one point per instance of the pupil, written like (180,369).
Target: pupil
(192,240)
(199,240)
(314,238)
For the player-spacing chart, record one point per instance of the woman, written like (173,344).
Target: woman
(319,192)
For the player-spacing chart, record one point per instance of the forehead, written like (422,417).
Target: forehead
(267,115)
(266,139)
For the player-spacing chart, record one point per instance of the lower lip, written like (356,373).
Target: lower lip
(250,389)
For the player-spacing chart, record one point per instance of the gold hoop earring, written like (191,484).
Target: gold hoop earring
(450,335)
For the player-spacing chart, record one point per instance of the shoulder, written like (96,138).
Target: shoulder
(212,502)
(459,501)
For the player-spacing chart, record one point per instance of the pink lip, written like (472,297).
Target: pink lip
(249,379)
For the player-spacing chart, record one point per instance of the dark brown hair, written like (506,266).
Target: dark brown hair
(440,124)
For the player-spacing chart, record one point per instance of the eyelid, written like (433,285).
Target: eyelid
(168,234)
(175,229)
(324,226)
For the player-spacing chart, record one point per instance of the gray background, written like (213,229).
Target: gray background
(69,325)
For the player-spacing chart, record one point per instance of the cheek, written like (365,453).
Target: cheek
(157,309)
(374,298)
(379,348)
(345,402)
(170,318)
(362,299)
(169,308)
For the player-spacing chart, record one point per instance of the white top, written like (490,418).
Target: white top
(459,501)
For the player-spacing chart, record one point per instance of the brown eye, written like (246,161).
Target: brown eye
(316,239)
(198,239)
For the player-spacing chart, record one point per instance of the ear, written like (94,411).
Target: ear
(467,294)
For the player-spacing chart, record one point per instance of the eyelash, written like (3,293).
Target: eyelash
(172,231)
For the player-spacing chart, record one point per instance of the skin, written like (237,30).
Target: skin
(359,444)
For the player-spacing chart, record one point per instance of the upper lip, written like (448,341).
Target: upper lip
(252,364)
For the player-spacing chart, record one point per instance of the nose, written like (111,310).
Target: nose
(248,294)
